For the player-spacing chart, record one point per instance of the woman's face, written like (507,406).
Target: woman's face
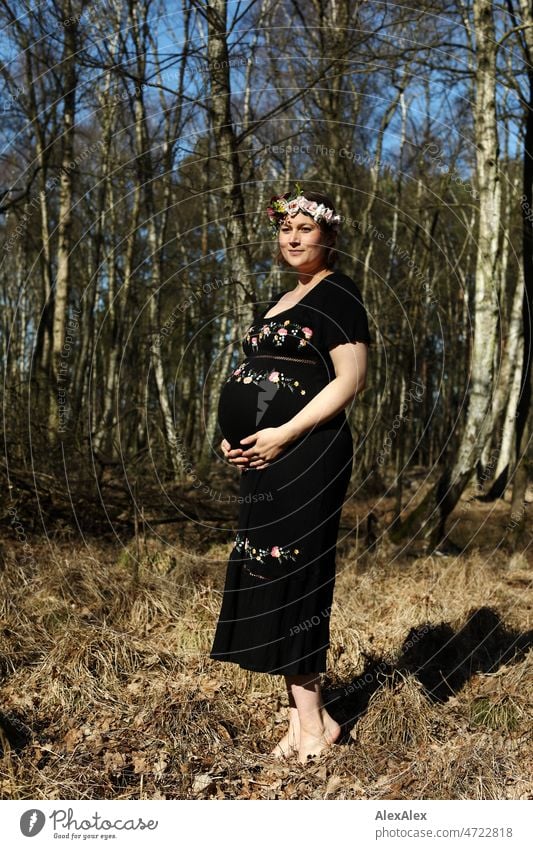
(302,243)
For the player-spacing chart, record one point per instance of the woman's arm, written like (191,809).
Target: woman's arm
(350,364)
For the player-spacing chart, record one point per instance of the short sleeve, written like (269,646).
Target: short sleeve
(344,317)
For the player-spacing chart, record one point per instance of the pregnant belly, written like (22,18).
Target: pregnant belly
(245,408)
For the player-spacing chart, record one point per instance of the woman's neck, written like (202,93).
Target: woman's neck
(305,280)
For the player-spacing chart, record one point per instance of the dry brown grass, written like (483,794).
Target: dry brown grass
(107,690)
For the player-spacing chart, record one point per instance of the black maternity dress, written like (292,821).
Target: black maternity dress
(281,571)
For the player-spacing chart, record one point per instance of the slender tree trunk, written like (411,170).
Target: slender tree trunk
(221,126)
(117,317)
(59,383)
(523,413)
(43,344)
(427,521)
(156,225)
(109,114)
(238,258)
(505,355)
(508,392)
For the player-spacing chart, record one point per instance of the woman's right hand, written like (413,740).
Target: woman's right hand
(234,455)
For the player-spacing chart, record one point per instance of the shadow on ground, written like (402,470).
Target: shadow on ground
(442,660)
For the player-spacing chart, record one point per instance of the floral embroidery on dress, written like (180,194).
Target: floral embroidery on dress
(279,332)
(246,374)
(243,544)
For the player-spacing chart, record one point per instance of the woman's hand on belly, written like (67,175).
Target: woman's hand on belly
(265,446)
(234,455)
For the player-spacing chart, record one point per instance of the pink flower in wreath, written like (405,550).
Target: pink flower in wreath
(274,376)
(307,332)
(282,331)
(294,206)
(310,205)
(274,551)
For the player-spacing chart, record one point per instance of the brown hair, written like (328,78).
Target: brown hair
(329,232)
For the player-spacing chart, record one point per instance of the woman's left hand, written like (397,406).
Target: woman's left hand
(265,446)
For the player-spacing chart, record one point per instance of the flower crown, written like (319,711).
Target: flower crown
(292,204)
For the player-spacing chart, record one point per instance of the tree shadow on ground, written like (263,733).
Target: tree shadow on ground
(442,660)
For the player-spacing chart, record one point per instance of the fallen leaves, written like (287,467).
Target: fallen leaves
(112,714)
(334,783)
(114,762)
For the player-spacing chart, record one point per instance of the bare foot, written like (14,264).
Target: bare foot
(313,743)
(287,746)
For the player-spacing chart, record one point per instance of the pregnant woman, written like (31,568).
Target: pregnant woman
(282,416)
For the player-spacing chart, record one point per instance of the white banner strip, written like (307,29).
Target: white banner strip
(434,824)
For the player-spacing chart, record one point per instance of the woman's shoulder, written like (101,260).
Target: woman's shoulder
(344,316)
(344,283)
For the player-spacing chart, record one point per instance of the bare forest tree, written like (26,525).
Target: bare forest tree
(142,141)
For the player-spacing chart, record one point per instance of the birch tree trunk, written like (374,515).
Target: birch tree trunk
(59,367)
(427,521)
(508,393)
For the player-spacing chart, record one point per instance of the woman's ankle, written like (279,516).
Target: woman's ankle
(313,718)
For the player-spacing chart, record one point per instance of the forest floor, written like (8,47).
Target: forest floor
(107,690)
